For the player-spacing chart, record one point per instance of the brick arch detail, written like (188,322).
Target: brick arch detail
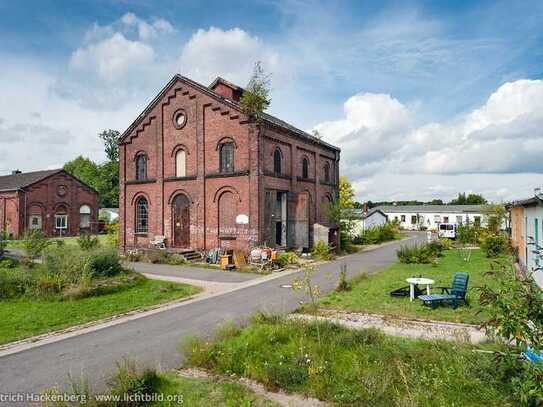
(224,140)
(226,188)
(138,195)
(174,194)
(180,147)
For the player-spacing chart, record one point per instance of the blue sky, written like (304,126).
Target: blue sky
(417,93)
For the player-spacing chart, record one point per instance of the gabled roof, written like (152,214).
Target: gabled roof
(357,213)
(232,104)
(431,208)
(20,180)
(526,202)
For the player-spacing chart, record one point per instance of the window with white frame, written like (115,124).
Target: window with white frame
(61,221)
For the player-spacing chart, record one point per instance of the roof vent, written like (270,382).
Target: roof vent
(15,172)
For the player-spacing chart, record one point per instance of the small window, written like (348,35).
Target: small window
(277,161)
(179,119)
(477,220)
(327,172)
(142,215)
(180,163)
(403,218)
(305,168)
(445,219)
(459,220)
(84,217)
(141,167)
(61,221)
(413,219)
(442,227)
(35,222)
(226,158)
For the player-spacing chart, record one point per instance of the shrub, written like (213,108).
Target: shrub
(68,262)
(494,244)
(87,242)
(15,282)
(104,263)
(129,381)
(436,248)
(322,251)
(113,234)
(34,244)
(285,259)
(446,243)
(378,234)
(156,256)
(343,284)
(8,263)
(416,254)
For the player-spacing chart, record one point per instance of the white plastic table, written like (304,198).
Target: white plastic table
(415,281)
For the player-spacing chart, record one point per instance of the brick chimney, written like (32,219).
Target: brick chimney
(227,89)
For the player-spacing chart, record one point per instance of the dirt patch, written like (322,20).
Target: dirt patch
(280,397)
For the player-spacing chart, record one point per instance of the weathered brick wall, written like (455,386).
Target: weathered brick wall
(44,200)
(209,123)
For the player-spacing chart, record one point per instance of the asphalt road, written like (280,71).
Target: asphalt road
(154,340)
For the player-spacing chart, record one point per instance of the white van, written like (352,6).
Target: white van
(447,230)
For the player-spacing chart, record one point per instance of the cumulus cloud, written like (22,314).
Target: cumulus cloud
(229,53)
(503,136)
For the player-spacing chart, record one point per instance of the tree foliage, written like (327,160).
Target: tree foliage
(470,199)
(346,193)
(103,177)
(256,97)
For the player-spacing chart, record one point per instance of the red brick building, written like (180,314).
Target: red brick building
(195,170)
(53,200)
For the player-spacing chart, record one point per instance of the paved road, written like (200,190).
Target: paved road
(195,273)
(153,340)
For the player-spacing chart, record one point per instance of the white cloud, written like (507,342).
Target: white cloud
(228,53)
(503,136)
(112,57)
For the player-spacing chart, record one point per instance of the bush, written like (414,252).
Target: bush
(416,254)
(87,242)
(285,259)
(156,256)
(130,382)
(322,251)
(378,234)
(68,262)
(494,244)
(34,244)
(15,282)
(446,243)
(104,263)
(436,248)
(113,234)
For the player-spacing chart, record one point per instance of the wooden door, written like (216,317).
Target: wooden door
(181,221)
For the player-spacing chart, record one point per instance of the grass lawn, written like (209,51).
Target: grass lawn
(207,392)
(24,317)
(370,293)
(69,241)
(348,367)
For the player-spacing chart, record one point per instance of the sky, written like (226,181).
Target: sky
(425,98)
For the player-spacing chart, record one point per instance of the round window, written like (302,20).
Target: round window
(179,119)
(61,190)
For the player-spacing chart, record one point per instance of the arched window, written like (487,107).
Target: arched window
(84,217)
(277,161)
(305,168)
(226,157)
(180,163)
(141,167)
(142,215)
(327,172)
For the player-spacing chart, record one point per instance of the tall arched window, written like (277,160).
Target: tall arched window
(61,219)
(180,163)
(141,167)
(305,168)
(226,157)
(84,217)
(277,161)
(327,172)
(142,215)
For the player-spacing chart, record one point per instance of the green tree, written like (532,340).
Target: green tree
(111,143)
(256,97)
(471,199)
(346,193)
(84,169)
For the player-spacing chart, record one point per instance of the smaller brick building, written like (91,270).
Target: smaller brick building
(52,200)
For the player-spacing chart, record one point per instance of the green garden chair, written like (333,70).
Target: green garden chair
(454,295)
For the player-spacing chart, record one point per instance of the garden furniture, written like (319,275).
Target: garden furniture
(414,282)
(453,295)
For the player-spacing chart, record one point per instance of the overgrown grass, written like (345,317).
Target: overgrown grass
(350,367)
(160,389)
(370,293)
(26,316)
(69,241)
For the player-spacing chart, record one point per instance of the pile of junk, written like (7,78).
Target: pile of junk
(261,258)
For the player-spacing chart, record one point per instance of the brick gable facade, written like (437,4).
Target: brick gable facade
(35,200)
(189,196)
